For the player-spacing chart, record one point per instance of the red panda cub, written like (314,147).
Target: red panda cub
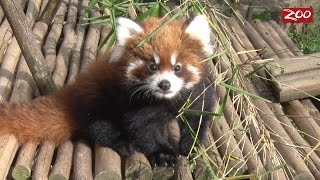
(125,100)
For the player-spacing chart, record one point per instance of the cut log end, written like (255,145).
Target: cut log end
(107,174)
(21,172)
(57,177)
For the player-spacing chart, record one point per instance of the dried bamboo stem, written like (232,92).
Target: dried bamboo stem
(297,138)
(9,146)
(277,38)
(49,48)
(43,161)
(262,30)
(62,62)
(303,121)
(105,30)
(75,61)
(107,164)
(12,55)
(6,32)
(228,147)
(1,15)
(256,39)
(25,38)
(50,11)
(283,35)
(91,45)
(62,166)
(82,161)
(23,165)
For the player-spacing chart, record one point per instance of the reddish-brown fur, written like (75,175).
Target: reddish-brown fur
(53,118)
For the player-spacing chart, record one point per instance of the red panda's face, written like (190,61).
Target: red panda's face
(169,62)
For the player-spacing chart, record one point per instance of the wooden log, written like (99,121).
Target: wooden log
(49,48)
(105,33)
(107,164)
(256,39)
(137,167)
(15,52)
(267,157)
(312,109)
(304,122)
(162,173)
(262,30)
(182,170)
(283,35)
(24,90)
(23,165)
(1,15)
(209,165)
(50,11)
(43,161)
(82,161)
(62,62)
(62,166)
(277,38)
(299,140)
(8,148)
(30,50)
(228,148)
(12,55)
(281,138)
(249,152)
(296,77)
(241,43)
(91,45)
(275,127)
(6,32)
(75,61)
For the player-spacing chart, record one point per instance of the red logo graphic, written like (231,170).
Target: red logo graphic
(297,14)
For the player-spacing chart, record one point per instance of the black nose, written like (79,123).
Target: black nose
(164,85)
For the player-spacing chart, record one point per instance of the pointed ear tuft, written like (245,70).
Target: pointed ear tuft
(199,29)
(126,29)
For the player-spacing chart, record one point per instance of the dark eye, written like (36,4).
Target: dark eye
(177,68)
(154,67)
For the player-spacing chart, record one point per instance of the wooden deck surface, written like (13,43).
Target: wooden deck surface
(279,141)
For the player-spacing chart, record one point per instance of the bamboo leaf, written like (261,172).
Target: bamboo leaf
(154,11)
(243,92)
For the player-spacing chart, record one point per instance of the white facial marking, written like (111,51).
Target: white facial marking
(173,58)
(133,66)
(176,84)
(156,58)
(200,29)
(195,74)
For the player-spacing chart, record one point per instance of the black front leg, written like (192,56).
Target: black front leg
(145,127)
(203,103)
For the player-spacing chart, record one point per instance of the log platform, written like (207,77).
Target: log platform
(252,139)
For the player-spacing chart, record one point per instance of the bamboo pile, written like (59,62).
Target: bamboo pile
(236,147)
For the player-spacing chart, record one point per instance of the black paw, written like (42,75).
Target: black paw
(162,159)
(124,149)
(185,145)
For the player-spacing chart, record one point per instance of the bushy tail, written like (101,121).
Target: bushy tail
(43,119)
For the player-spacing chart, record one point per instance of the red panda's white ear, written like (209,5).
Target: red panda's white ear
(126,29)
(199,29)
